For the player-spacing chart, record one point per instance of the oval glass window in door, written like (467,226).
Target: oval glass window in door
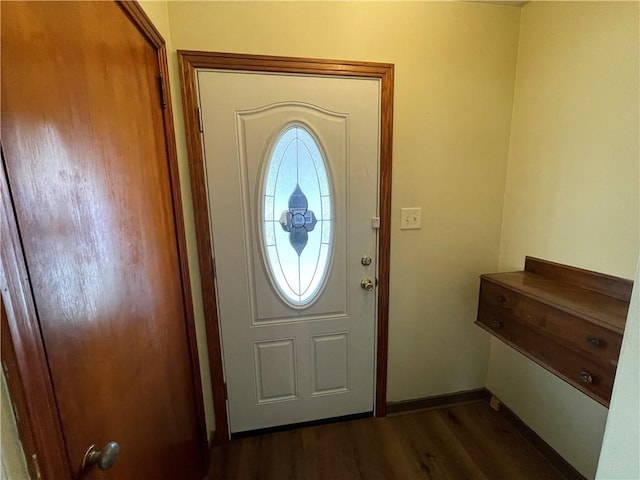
(297,226)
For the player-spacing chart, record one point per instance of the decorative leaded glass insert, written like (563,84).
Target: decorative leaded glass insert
(296,216)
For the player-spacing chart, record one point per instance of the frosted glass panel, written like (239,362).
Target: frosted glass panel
(296,216)
(269,213)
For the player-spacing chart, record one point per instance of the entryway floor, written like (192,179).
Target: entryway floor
(468,441)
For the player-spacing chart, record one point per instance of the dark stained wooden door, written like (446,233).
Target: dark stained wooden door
(86,159)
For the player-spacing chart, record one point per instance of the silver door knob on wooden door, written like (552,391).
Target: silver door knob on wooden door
(103,459)
(367,284)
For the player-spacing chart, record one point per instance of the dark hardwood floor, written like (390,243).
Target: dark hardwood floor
(468,441)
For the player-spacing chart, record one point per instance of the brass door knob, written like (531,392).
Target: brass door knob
(103,459)
(367,284)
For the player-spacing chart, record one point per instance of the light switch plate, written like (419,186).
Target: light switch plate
(411,218)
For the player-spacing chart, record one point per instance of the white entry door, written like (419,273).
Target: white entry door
(292,177)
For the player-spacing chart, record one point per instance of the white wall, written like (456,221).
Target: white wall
(620,455)
(572,192)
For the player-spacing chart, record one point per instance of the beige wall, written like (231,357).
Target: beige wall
(455,67)
(572,187)
(572,192)
(13,465)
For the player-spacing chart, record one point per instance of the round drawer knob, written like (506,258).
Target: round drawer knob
(496,324)
(594,341)
(586,377)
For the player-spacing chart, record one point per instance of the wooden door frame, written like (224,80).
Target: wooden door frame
(189,61)
(24,362)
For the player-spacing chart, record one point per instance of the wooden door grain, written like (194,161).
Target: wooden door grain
(88,170)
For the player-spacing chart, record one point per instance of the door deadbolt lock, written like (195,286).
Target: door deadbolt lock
(366,260)
(367,284)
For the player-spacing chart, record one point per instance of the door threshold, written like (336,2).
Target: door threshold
(294,426)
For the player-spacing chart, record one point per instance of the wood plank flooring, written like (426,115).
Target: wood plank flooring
(468,441)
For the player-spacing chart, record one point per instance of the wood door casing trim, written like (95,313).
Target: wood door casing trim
(31,381)
(143,23)
(183,255)
(140,19)
(33,388)
(189,61)
(14,384)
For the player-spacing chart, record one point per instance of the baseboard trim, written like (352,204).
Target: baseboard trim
(437,401)
(449,399)
(546,450)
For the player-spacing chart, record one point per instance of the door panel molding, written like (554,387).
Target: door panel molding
(189,61)
(243,166)
(31,388)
